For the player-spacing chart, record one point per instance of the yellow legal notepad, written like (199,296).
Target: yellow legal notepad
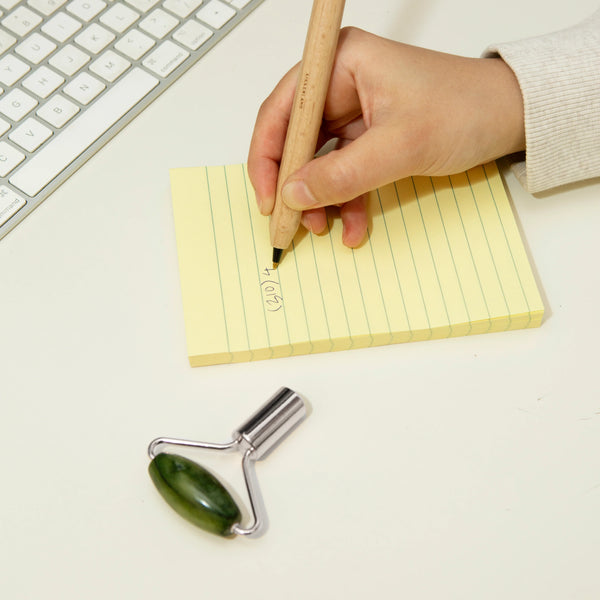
(443,258)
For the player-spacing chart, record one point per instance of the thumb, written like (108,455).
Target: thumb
(358,167)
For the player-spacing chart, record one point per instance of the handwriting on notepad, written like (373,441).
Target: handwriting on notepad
(271,290)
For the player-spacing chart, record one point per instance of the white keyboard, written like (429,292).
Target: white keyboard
(74,72)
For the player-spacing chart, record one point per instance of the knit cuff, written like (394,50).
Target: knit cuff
(559,76)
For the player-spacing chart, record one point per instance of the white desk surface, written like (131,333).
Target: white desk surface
(464,468)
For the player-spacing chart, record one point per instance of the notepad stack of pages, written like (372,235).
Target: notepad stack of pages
(443,258)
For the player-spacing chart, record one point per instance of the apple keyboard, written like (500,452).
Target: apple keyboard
(74,72)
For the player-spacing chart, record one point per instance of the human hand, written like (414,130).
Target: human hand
(395,111)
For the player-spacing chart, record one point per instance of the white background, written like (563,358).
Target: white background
(465,468)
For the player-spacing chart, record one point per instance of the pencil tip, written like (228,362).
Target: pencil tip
(277,252)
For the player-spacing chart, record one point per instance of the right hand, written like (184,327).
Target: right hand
(396,110)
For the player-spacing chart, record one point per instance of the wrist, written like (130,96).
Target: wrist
(506,107)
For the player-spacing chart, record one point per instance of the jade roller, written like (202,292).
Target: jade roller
(197,495)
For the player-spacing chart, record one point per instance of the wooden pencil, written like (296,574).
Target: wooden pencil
(307,113)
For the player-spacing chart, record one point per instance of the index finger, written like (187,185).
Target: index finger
(268,138)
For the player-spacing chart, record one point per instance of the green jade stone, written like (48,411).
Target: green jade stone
(194,493)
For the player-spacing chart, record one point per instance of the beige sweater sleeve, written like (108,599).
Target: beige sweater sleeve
(559,75)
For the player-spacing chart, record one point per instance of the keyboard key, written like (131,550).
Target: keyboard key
(158,23)
(10,204)
(16,104)
(21,21)
(216,14)
(69,59)
(119,17)
(95,38)
(134,44)
(10,157)
(67,145)
(12,69)
(182,8)
(110,66)
(58,111)
(165,59)
(46,7)
(143,5)
(84,88)
(6,41)
(239,4)
(86,10)
(4,126)
(43,81)
(61,27)
(35,48)
(30,135)
(8,4)
(192,35)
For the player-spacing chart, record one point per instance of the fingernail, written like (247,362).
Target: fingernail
(311,221)
(297,195)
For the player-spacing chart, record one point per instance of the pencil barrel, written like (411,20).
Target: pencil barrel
(307,109)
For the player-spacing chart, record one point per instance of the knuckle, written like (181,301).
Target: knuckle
(350,32)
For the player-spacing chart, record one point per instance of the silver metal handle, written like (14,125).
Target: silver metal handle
(255,438)
(270,423)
